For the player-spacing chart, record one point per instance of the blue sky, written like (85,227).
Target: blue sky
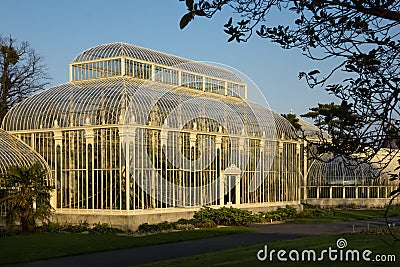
(60,30)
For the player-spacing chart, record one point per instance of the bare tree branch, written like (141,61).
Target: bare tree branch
(22,73)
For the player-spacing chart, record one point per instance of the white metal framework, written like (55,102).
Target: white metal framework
(13,152)
(137,129)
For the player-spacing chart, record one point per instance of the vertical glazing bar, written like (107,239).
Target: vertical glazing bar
(93,172)
(142,165)
(70,168)
(226,87)
(87,174)
(191,150)
(61,173)
(166,174)
(174,144)
(153,73)
(125,145)
(110,164)
(71,72)
(123,66)
(132,155)
(77,172)
(101,172)
(121,165)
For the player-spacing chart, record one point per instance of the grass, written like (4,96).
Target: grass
(246,256)
(349,215)
(49,245)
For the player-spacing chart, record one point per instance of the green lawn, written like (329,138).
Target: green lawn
(246,256)
(350,215)
(48,245)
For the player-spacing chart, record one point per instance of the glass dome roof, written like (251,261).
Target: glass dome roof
(310,130)
(115,101)
(15,152)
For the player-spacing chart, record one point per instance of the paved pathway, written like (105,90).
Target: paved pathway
(264,233)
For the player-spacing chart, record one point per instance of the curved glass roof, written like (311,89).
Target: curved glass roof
(338,171)
(120,49)
(310,130)
(115,101)
(15,152)
(388,159)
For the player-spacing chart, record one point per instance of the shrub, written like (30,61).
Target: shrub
(104,228)
(207,223)
(67,227)
(351,206)
(225,216)
(280,214)
(145,228)
(98,228)
(165,226)
(304,214)
(186,221)
(318,212)
(152,228)
(184,227)
(53,227)
(78,228)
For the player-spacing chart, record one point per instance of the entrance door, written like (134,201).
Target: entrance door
(230,190)
(230,186)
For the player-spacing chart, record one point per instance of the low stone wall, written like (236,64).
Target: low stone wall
(123,220)
(359,202)
(132,219)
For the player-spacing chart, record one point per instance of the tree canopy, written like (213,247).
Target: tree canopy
(340,123)
(294,121)
(22,73)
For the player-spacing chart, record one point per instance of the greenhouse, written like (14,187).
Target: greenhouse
(13,152)
(137,129)
(140,132)
(337,180)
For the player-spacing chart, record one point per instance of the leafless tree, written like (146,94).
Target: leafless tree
(22,73)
